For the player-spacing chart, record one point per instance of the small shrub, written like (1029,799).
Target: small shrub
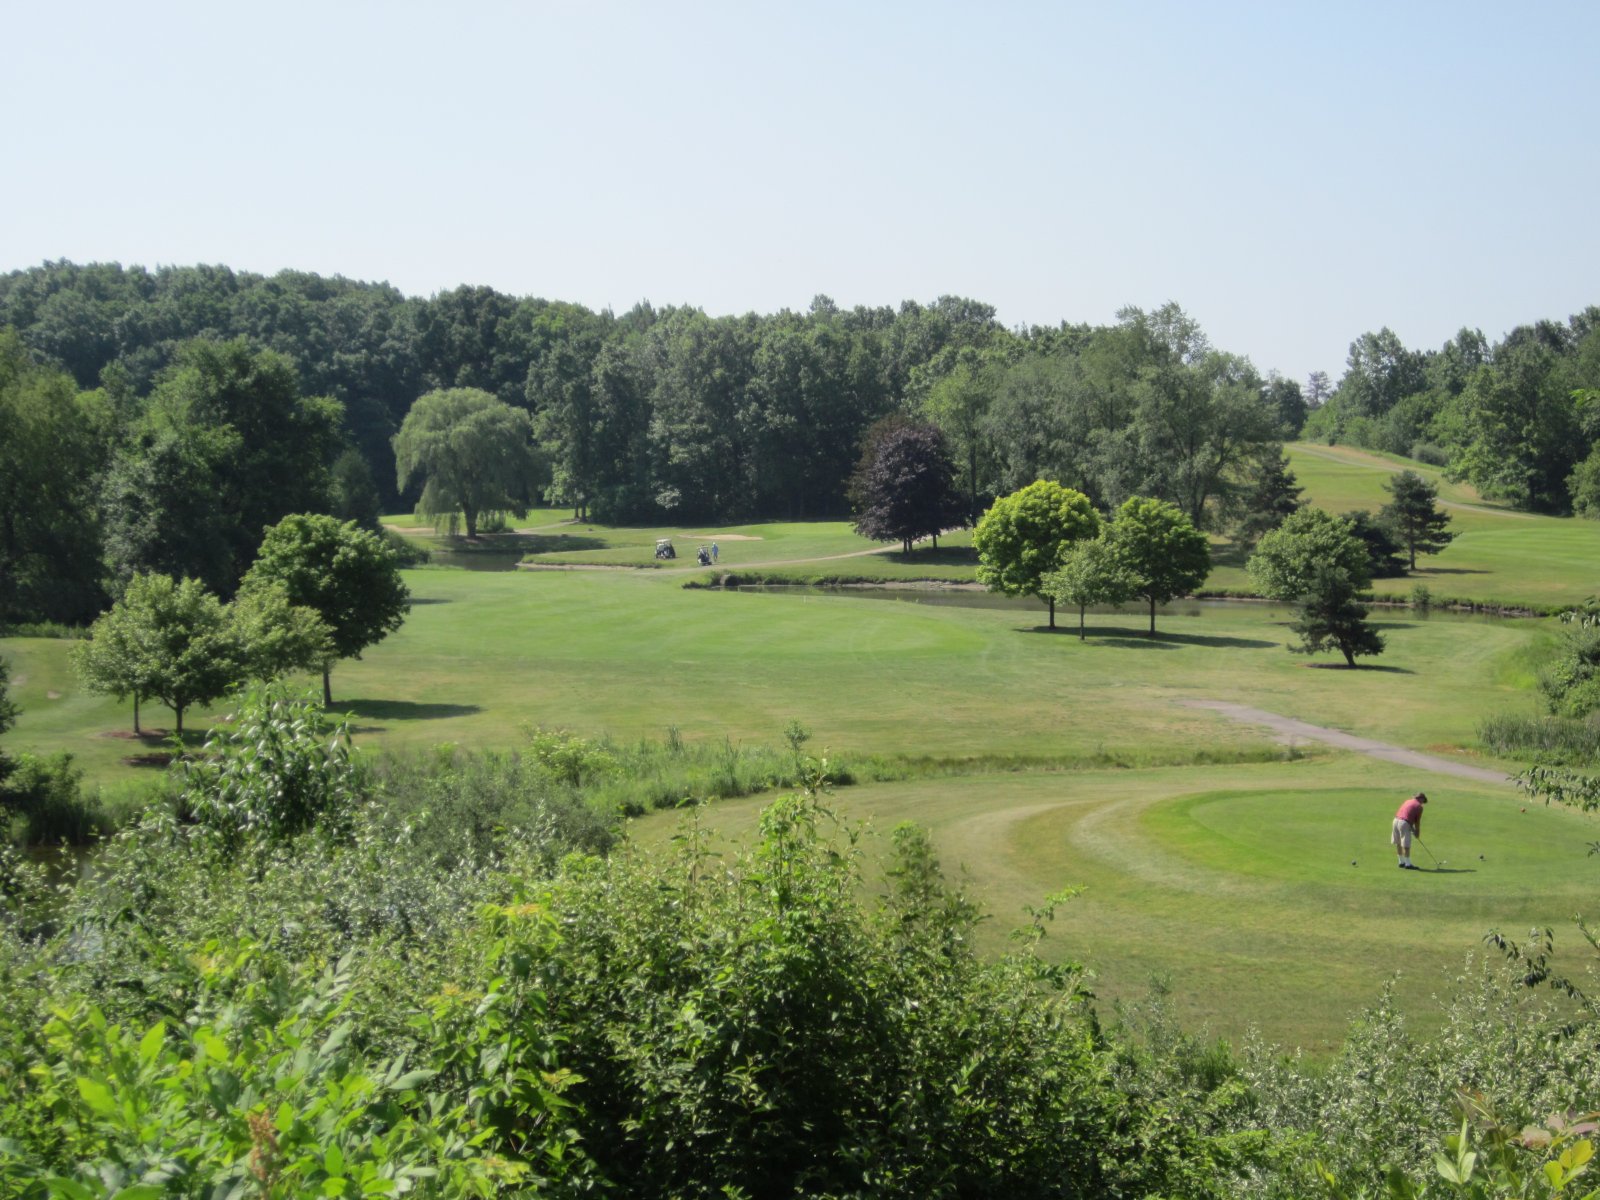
(493,521)
(406,552)
(42,803)
(1427,452)
(274,769)
(1571,681)
(1421,597)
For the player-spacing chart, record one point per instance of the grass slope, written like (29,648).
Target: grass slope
(1500,556)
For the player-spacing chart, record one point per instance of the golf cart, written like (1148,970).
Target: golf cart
(664,548)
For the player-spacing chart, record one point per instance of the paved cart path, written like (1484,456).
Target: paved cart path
(1289,727)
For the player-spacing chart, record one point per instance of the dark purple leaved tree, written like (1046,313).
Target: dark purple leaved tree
(904,488)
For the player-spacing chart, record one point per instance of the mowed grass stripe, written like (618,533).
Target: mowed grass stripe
(1235,882)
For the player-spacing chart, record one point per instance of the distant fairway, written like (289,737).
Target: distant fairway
(1500,556)
(1236,882)
(632,653)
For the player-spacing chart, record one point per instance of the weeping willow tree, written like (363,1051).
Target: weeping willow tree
(475,453)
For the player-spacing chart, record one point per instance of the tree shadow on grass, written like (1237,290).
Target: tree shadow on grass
(944,556)
(1453,570)
(155,747)
(416,600)
(402,710)
(1163,640)
(1339,666)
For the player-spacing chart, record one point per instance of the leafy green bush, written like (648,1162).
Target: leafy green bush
(262,1089)
(407,553)
(755,1028)
(461,807)
(42,803)
(1571,681)
(274,768)
(1390,1098)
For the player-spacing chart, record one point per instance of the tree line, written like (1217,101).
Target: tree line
(160,420)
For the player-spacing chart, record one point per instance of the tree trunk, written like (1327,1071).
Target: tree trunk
(177,712)
(1349,658)
(471,514)
(136,729)
(327,688)
(1152,617)
(1081,607)
(936,541)
(1052,603)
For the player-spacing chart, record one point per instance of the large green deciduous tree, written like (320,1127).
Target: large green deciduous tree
(475,452)
(52,455)
(1415,516)
(279,637)
(341,572)
(1160,546)
(1090,573)
(1022,537)
(1284,562)
(1331,618)
(226,446)
(167,640)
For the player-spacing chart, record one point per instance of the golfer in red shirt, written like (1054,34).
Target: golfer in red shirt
(1407,824)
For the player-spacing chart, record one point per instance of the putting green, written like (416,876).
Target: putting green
(1235,882)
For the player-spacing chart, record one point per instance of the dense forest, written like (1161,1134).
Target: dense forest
(159,420)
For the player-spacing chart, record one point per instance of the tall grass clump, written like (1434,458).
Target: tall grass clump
(1554,739)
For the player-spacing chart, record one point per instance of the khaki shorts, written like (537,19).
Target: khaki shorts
(1401,834)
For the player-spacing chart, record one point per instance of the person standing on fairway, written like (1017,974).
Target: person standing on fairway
(1407,825)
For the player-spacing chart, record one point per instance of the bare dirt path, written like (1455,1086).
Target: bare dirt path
(1288,727)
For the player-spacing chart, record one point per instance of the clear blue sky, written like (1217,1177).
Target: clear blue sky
(1293,174)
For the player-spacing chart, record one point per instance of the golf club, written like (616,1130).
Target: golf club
(1436,863)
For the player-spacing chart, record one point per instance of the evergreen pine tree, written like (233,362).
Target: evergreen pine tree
(1415,515)
(1330,617)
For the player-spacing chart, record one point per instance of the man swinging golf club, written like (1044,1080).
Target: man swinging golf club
(1407,825)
